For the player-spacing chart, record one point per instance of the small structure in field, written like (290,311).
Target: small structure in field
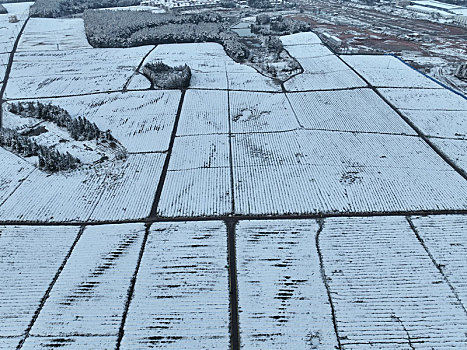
(167,77)
(13,19)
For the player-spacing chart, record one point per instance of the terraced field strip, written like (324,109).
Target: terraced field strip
(181,296)
(89,296)
(386,291)
(31,257)
(282,299)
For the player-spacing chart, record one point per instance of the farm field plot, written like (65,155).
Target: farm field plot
(181,297)
(10,31)
(198,179)
(456,150)
(60,73)
(261,112)
(324,73)
(204,112)
(316,172)
(444,236)
(425,99)
(347,110)
(90,294)
(388,71)
(245,78)
(93,342)
(121,192)
(14,171)
(380,299)
(140,121)
(30,256)
(54,35)
(448,124)
(300,39)
(308,51)
(3,64)
(283,302)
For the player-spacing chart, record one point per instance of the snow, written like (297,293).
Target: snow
(54,34)
(14,171)
(122,192)
(323,73)
(29,259)
(456,150)
(311,51)
(140,121)
(452,124)
(301,39)
(93,342)
(181,298)
(282,299)
(90,294)
(387,292)
(347,110)
(139,82)
(60,73)
(243,77)
(10,31)
(425,99)
(388,71)
(316,172)
(261,112)
(444,237)
(3,64)
(204,112)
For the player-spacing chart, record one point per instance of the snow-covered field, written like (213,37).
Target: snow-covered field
(282,299)
(388,71)
(59,73)
(387,292)
(9,31)
(54,35)
(181,298)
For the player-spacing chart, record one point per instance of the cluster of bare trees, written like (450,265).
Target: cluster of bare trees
(167,77)
(49,159)
(135,28)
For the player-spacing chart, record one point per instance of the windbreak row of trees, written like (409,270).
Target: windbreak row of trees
(167,77)
(107,28)
(49,159)
(80,128)
(57,8)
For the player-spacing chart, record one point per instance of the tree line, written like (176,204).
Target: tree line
(58,8)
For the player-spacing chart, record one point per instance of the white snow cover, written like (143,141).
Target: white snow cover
(72,343)
(387,293)
(317,171)
(30,256)
(60,73)
(204,112)
(55,34)
(347,110)
(9,31)
(323,73)
(181,297)
(139,82)
(123,191)
(444,237)
(308,51)
(283,302)
(456,150)
(198,180)
(244,77)
(261,112)
(14,170)
(425,99)
(451,124)
(301,39)
(388,71)
(140,121)
(3,64)
(90,294)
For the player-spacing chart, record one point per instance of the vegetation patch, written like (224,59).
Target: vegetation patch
(58,8)
(167,77)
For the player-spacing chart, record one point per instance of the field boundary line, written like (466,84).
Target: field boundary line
(239,217)
(160,185)
(231,225)
(131,288)
(438,266)
(324,279)
(125,86)
(232,180)
(8,69)
(25,336)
